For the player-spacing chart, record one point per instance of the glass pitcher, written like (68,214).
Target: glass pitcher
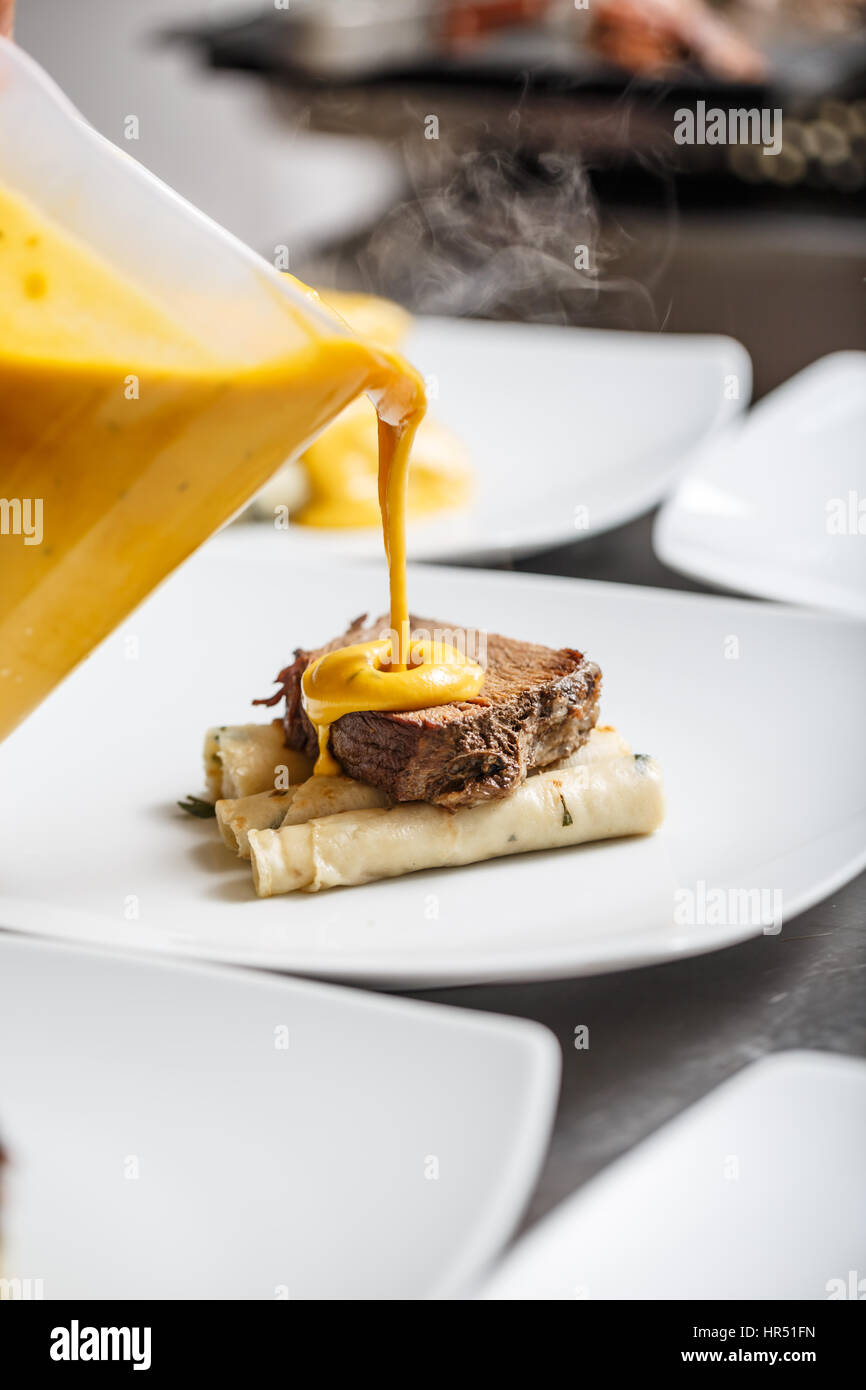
(153,373)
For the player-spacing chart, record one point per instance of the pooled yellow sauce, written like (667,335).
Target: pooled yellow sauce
(132,441)
(362,677)
(341,470)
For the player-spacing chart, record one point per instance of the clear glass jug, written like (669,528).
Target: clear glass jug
(153,373)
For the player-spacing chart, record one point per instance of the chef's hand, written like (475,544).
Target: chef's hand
(7,9)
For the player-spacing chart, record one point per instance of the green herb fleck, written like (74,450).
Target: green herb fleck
(641,761)
(567,818)
(194,806)
(512,839)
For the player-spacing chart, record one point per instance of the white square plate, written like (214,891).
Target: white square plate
(180,1131)
(776,504)
(754,712)
(755,1192)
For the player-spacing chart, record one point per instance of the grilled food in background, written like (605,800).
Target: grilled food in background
(335,483)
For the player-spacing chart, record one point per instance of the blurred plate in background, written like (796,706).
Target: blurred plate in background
(776,506)
(570,431)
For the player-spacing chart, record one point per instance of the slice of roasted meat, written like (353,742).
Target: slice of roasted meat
(537,704)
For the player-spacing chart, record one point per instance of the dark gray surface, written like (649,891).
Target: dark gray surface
(662,1037)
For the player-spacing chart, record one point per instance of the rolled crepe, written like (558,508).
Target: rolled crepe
(237,816)
(325,796)
(604,742)
(569,806)
(318,796)
(243,759)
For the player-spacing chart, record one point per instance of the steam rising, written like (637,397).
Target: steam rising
(505,235)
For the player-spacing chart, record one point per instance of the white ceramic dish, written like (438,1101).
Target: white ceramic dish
(185,1132)
(756,1192)
(558,457)
(776,505)
(754,712)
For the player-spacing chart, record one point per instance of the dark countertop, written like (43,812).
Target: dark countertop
(663,1036)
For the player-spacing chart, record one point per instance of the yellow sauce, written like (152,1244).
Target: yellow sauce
(395,674)
(381,320)
(131,440)
(341,471)
(362,677)
(137,441)
(341,467)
